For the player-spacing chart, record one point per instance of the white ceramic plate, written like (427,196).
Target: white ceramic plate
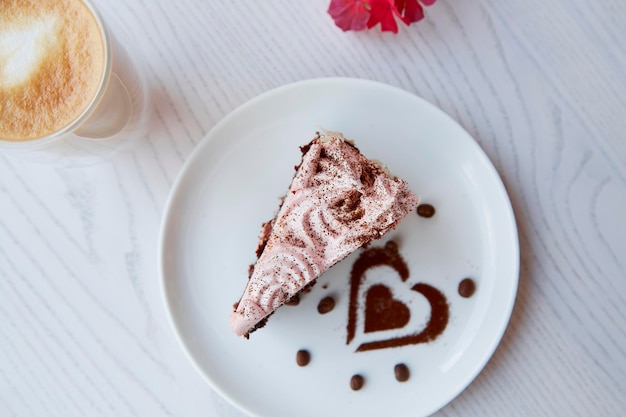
(233,182)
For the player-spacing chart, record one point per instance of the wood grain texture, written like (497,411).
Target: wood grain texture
(540,85)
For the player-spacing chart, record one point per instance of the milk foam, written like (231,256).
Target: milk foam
(23,49)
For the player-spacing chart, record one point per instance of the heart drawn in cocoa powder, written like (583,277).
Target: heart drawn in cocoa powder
(382,311)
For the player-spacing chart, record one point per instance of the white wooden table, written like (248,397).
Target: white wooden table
(541,85)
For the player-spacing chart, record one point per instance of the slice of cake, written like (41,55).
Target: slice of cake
(338,202)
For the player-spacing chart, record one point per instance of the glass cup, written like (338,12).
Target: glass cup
(115,118)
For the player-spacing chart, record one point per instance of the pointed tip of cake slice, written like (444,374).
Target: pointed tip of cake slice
(245,317)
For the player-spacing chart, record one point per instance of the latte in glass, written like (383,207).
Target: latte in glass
(52,66)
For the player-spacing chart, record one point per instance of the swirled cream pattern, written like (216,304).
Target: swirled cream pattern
(338,201)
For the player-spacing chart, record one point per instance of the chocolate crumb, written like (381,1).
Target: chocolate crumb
(326,305)
(426,210)
(305,148)
(467,287)
(402,372)
(303,357)
(357,382)
(391,246)
(293,301)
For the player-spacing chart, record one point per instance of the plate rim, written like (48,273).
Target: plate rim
(209,137)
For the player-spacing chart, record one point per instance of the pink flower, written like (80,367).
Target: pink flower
(359,14)
(349,14)
(382,11)
(410,10)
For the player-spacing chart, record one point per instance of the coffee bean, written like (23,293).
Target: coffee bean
(326,305)
(426,210)
(303,357)
(467,287)
(402,372)
(357,382)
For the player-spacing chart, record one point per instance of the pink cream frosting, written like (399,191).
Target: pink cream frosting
(338,201)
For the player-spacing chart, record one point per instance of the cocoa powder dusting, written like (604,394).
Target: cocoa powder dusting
(437,322)
(370,258)
(382,311)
